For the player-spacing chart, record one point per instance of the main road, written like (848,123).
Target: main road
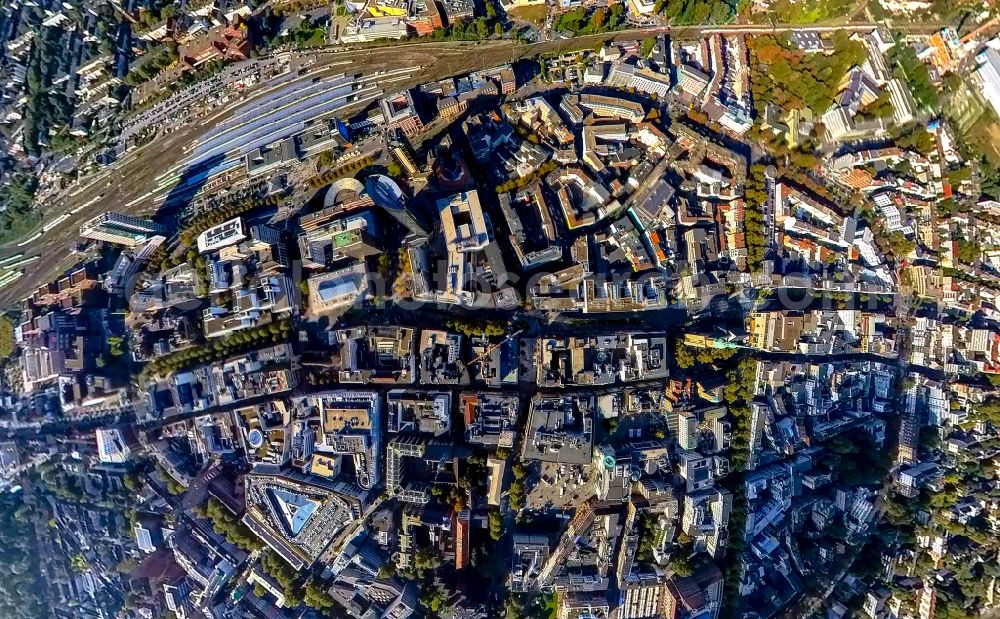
(127,185)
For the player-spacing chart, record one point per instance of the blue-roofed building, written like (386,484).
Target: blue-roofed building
(387,195)
(332,290)
(294,509)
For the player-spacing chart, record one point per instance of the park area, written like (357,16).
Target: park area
(535,14)
(811,11)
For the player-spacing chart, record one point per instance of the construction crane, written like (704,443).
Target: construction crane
(489,350)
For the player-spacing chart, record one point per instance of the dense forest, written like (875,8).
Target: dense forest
(683,12)
(18,214)
(795,79)
(20,595)
(48,106)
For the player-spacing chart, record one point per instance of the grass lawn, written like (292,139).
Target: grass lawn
(19,226)
(963,106)
(984,136)
(535,14)
(551,608)
(316,39)
(811,11)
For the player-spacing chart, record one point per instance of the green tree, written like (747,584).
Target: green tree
(681,565)
(989,178)
(598,19)
(434,597)
(918,139)
(496,525)
(899,245)
(387,570)
(913,72)
(646,47)
(6,337)
(315,595)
